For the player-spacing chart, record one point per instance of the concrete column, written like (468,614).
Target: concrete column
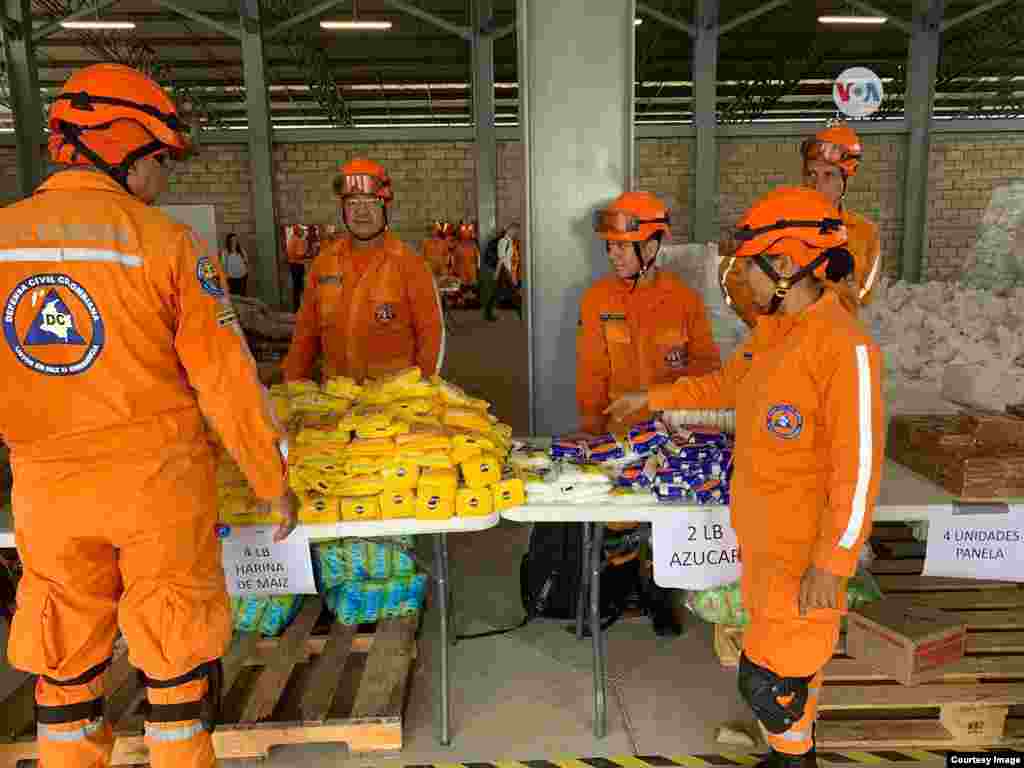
(486,133)
(922,64)
(704,223)
(265,269)
(576,88)
(22,75)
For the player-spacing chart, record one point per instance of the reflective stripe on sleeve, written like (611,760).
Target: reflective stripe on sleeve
(70,254)
(865,450)
(49,733)
(185,733)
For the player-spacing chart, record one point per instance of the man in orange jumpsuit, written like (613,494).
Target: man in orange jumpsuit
(466,255)
(638,326)
(806,388)
(120,339)
(437,249)
(372,307)
(830,159)
(297,250)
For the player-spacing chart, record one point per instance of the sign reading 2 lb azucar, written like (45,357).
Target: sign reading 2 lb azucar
(53,326)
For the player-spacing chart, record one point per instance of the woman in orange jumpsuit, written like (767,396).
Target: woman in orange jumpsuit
(806,388)
(639,326)
(830,159)
(121,343)
(372,307)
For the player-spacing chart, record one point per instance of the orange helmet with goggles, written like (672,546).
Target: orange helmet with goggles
(799,223)
(837,144)
(363,177)
(633,217)
(90,120)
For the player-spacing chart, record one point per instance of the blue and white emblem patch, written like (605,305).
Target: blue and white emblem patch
(785,421)
(208,277)
(53,326)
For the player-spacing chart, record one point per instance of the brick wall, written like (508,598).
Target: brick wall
(438,180)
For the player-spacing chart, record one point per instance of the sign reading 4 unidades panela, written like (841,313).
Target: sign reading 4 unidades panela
(976,541)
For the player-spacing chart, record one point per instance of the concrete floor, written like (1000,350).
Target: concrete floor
(529,695)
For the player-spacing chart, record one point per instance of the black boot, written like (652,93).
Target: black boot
(780,760)
(658,604)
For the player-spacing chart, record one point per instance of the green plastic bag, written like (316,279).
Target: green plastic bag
(724,605)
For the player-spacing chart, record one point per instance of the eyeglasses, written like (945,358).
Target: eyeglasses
(362,203)
(620,222)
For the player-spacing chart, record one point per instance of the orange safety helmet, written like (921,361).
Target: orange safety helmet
(363,177)
(88,120)
(837,144)
(796,222)
(633,217)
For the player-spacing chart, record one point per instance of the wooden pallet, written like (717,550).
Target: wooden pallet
(340,687)
(979,701)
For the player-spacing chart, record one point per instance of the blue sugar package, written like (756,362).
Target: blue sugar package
(633,476)
(572,450)
(605,448)
(664,491)
(719,495)
(646,441)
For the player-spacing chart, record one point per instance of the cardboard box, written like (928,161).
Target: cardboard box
(908,642)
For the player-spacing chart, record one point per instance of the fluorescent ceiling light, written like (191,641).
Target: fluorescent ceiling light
(355,24)
(637,22)
(98,24)
(852,19)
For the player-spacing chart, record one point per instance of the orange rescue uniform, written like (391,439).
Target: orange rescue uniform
(863,244)
(466,261)
(119,339)
(633,339)
(437,253)
(808,461)
(297,248)
(370,312)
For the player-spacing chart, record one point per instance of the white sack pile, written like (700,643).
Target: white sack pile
(257,318)
(964,342)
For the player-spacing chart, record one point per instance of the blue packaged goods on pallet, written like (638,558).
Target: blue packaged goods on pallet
(647,437)
(373,599)
(633,476)
(605,448)
(269,616)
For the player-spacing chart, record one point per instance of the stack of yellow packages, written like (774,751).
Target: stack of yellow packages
(399,447)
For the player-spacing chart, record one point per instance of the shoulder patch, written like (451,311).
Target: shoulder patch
(785,421)
(208,277)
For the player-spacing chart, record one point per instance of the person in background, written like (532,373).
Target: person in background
(639,327)
(372,307)
(830,159)
(497,283)
(466,255)
(236,265)
(437,249)
(297,249)
(115,361)
(806,387)
(312,242)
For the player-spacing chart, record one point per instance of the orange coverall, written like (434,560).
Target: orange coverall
(808,461)
(119,340)
(863,244)
(370,312)
(437,253)
(297,248)
(630,340)
(466,261)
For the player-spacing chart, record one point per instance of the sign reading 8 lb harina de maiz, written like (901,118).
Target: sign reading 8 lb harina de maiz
(695,549)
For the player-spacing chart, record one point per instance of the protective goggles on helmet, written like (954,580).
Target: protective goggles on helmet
(362,184)
(621,222)
(829,152)
(822,226)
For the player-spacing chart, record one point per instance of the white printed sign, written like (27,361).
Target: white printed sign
(985,545)
(255,565)
(695,550)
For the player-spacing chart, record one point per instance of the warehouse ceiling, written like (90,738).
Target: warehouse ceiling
(777,67)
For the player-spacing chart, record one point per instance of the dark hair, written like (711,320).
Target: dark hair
(227,240)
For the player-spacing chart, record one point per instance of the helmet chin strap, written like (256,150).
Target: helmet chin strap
(645,267)
(784,284)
